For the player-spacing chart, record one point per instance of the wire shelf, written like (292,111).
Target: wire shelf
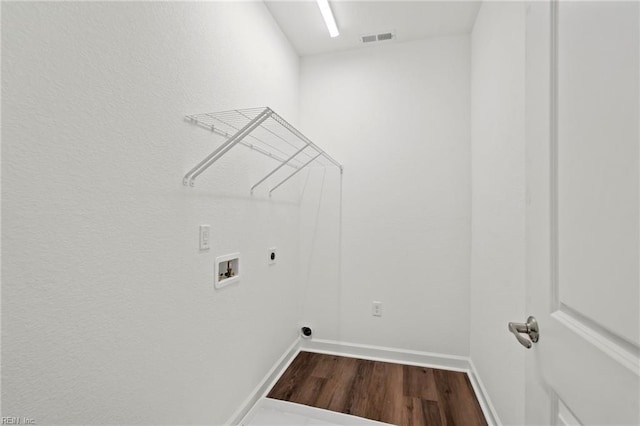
(263,131)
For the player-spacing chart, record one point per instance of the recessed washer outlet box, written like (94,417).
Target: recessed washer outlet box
(226,270)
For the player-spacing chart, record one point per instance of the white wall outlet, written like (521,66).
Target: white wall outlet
(376,308)
(272,256)
(205,236)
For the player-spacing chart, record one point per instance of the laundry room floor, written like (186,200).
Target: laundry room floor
(381,391)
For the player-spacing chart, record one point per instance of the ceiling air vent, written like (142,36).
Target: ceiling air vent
(370,38)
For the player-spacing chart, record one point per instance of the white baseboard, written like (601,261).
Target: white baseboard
(265,384)
(374,353)
(488,409)
(379,353)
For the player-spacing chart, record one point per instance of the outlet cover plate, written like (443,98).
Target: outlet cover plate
(376,308)
(205,237)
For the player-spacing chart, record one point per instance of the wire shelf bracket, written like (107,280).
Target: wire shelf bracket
(264,131)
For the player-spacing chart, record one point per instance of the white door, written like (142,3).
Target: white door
(583,230)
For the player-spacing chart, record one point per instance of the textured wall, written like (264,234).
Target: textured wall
(498,203)
(108,310)
(397,116)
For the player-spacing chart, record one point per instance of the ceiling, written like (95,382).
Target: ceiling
(302,22)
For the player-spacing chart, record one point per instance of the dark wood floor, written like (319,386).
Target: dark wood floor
(391,393)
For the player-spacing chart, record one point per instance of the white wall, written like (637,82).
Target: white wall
(321,252)
(397,116)
(108,310)
(498,203)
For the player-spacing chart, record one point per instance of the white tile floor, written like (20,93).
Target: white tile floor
(272,412)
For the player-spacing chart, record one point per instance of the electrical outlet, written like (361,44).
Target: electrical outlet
(376,309)
(204,237)
(272,256)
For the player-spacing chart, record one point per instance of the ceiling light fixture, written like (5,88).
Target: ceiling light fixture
(329,20)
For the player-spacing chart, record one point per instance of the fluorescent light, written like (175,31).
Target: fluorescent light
(325,9)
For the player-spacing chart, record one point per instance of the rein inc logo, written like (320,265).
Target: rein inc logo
(17,421)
